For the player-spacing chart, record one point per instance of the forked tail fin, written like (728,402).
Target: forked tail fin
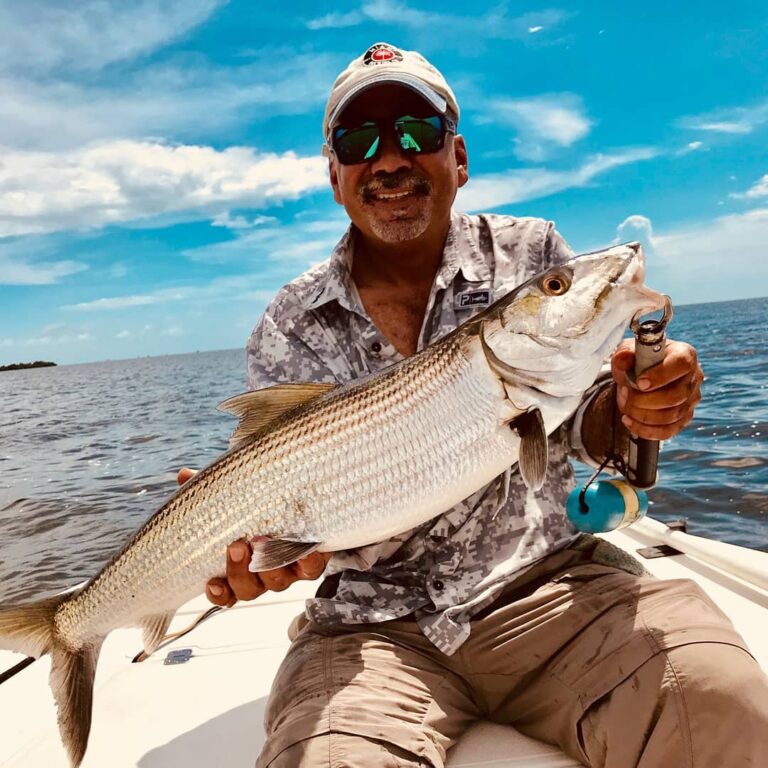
(30,629)
(71,679)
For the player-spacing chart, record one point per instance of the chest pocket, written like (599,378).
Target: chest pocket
(470,299)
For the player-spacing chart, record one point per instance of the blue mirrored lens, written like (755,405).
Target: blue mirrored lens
(360,144)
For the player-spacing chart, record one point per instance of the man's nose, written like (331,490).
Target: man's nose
(391,158)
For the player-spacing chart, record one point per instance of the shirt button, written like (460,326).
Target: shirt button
(438,585)
(376,346)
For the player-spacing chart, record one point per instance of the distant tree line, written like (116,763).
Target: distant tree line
(20,366)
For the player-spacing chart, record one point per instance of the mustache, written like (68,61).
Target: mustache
(405,182)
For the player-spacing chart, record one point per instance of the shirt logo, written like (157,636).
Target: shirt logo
(380,53)
(472,299)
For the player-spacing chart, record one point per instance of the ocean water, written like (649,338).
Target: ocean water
(88,452)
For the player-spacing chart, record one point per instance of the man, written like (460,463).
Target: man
(496,609)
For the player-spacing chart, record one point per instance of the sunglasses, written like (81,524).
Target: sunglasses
(415,135)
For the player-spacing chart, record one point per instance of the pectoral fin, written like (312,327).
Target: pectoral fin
(155,628)
(534,450)
(275,553)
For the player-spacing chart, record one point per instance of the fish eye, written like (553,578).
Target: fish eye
(555,283)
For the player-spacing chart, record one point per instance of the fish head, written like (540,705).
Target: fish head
(554,332)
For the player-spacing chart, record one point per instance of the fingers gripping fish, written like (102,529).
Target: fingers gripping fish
(318,467)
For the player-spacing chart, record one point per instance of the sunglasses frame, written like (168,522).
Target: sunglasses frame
(447,125)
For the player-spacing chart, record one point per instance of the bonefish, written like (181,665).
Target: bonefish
(327,468)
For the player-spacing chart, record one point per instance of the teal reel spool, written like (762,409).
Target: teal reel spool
(605,506)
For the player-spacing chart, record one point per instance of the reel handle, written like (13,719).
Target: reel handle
(650,339)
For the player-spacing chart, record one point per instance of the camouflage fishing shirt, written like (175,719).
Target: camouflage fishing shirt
(448,569)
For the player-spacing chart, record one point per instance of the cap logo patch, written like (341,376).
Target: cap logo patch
(381,53)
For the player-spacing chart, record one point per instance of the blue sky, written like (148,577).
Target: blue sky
(160,167)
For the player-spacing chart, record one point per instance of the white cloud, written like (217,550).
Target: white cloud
(541,122)
(190,99)
(46,341)
(43,273)
(228,221)
(52,328)
(123,335)
(41,36)
(534,30)
(725,127)
(758,189)
(636,227)
(126,180)
(691,146)
(30,263)
(442,27)
(725,258)
(337,20)
(118,270)
(162,296)
(281,250)
(226,289)
(735,120)
(494,190)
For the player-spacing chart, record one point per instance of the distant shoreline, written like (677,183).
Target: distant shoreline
(22,366)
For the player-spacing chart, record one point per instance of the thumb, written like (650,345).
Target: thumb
(185,473)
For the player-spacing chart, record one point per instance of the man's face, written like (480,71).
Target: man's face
(397,196)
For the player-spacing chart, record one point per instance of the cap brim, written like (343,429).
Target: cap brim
(395,78)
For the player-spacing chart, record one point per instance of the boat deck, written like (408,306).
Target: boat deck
(209,710)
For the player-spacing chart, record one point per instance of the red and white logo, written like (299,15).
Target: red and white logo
(381,53)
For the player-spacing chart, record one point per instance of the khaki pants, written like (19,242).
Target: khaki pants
(618,670)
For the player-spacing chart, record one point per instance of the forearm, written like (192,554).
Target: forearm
(601,429)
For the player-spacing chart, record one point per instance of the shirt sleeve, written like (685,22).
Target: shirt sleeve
(577,449)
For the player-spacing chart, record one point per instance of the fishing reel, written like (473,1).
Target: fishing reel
(610,504)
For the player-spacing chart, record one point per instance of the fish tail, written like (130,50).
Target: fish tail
(31,629)
(71,679)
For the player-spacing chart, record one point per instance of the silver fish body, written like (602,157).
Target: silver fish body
(332,469)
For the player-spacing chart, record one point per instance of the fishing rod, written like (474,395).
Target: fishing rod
(610,504)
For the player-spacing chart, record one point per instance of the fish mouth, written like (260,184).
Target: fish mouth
(631,297)
(632,275)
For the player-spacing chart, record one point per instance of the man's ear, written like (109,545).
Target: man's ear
(462,159)
(334,178)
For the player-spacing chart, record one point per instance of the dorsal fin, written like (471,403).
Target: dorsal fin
(257,409)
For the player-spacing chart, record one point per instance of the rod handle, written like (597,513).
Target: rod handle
(650,339)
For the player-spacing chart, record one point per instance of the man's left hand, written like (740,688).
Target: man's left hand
(668,393)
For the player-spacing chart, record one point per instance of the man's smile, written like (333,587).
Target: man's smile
(391,195)
(394,189)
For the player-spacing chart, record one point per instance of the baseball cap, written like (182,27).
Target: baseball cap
(383,63)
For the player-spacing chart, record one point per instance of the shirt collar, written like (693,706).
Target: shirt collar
(474,265)
(337,283)
(461,253)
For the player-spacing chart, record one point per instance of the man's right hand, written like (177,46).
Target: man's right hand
(240,584)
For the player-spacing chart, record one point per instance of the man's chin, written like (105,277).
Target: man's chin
(399,230)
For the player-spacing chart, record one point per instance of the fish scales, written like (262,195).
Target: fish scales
(313,477)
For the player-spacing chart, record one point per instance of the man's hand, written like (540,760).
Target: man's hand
(668,394)
(240,584)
